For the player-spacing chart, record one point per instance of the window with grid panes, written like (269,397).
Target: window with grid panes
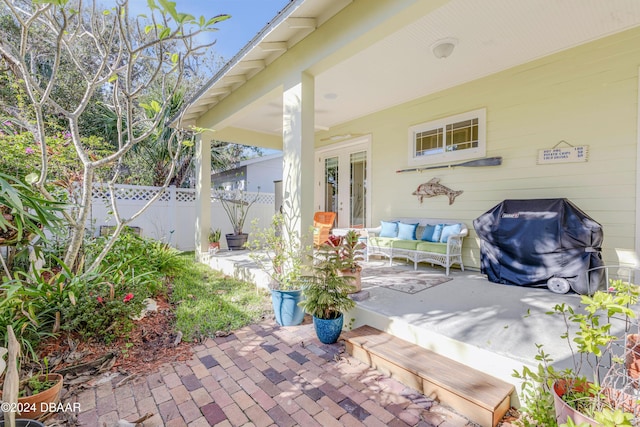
(453,138)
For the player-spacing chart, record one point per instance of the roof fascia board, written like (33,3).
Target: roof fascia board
(252,44)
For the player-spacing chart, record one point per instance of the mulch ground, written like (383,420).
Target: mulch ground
(153,342)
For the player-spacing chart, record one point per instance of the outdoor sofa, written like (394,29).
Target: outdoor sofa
(436,241)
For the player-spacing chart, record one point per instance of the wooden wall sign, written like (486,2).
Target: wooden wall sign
(568,154)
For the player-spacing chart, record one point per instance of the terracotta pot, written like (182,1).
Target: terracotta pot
(38,403)
(563,410)
(621,399)
(626,399)
(632,360)
(357,277)
(214,246)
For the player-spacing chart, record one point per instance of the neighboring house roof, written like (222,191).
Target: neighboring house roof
(388,46)
(260,159)
(257,169)
(252,161)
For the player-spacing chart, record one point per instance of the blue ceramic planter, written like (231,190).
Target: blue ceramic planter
(285,307)
(328,331)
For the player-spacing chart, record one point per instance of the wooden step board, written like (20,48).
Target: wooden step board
(480,397)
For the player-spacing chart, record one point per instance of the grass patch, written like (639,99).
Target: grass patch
(208,301)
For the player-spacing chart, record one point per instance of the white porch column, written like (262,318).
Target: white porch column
(203,195)
(298,148)
(636,260)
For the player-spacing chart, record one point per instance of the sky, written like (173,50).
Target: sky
(248,17)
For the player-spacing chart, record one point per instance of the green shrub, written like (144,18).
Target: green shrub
(134,269)
(21,155)
(33,302)
(137,255)
(105,308)
(28,332)
(594,347)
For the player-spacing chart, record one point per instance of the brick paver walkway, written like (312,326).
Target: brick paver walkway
(264,375)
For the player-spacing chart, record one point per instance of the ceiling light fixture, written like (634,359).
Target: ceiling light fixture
(444,47)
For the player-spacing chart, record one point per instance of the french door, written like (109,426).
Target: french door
(343,180)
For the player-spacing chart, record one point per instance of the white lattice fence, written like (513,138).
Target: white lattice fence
(130,193)
(172,217)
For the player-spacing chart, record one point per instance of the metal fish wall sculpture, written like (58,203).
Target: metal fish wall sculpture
(434,188)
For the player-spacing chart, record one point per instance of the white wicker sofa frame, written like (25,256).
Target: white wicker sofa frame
(443,254)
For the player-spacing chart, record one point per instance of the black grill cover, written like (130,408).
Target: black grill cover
(527,242)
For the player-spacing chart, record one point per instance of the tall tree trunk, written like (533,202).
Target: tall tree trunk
(77,229)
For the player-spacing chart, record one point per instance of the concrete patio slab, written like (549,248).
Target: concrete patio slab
(491,327)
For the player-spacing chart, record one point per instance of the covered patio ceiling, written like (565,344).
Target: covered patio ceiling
(391,67)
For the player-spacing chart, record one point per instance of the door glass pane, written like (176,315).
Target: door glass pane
(331,184)
(358,189)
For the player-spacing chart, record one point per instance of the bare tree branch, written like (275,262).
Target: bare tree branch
(113,58)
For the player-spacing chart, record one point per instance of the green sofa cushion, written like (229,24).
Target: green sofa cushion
(383,242)
(405,244)
(439,248)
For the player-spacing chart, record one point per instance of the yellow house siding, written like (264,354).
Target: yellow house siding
(586,96)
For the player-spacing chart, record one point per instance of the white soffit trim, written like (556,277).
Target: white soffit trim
(291,25)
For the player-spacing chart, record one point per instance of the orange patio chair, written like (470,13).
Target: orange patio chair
(322,225)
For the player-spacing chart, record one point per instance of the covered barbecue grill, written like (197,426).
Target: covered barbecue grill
(540,242)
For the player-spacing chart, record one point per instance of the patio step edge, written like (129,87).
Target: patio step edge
(482,398)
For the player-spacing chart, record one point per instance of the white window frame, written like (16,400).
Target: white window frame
(449,156)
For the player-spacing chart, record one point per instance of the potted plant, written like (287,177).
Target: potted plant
(346,252)
(280,252)
(236,205)
(214,239)
(39,391)
(605,395)
(326,296)
(11,389)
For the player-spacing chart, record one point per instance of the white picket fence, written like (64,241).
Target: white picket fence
(172,217)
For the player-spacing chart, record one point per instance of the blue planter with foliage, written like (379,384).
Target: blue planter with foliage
(328,330)
(285,307)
